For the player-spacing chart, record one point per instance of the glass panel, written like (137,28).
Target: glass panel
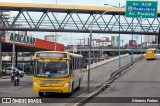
(52,69)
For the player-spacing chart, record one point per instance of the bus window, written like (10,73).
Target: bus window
(59,69)
(71,63)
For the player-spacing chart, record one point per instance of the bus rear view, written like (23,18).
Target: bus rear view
(150,54)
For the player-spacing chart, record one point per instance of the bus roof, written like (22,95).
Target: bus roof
(72,54)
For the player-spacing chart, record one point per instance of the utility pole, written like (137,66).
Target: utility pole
(159,39)
(90,45)
(84,42)
(1,54)
(13,51)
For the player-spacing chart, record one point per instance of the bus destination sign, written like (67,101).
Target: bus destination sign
(51,55)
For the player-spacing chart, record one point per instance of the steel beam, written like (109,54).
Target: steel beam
(76,21)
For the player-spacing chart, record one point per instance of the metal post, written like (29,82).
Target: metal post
(93,58)
(13,51)
(131,44)
(89,59)
(55,43)
(1,54)
(88,82)
(141,36)
(16,58)
(84,42)
(80,48)
(159,39)
(119,60)
(137,45)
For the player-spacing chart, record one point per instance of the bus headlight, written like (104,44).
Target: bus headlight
(37,85)
(66,84)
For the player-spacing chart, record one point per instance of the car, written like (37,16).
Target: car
(9,70)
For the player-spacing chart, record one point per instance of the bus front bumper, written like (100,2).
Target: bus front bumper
(56,89)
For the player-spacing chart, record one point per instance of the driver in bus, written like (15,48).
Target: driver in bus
(52,74)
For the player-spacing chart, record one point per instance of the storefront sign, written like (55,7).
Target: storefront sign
(10,37)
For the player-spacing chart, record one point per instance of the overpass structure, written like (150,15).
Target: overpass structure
(71,18)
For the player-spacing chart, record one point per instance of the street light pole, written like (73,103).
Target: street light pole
(159,39)
(1,53)
(136,37)
(90,43)
(119,52)
(13,51)
(119,60)
(141,37)
(131,44)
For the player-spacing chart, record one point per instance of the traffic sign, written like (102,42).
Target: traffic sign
(141,9)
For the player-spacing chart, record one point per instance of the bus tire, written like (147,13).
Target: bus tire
(41,94)
(79,84)
(71,93)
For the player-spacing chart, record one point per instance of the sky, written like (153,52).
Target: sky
(71,38)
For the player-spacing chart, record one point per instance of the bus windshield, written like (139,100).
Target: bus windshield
(52,69)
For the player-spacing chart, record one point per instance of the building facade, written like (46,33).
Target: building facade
(149,40)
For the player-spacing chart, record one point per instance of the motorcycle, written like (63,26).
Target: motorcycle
(16,81)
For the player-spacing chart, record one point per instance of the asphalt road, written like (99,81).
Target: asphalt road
(143,80)
(98,75)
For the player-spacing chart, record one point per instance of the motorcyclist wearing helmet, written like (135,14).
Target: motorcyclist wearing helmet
(14,74)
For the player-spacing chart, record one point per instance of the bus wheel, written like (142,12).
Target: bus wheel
(41,94)
(71,93)
(79,84)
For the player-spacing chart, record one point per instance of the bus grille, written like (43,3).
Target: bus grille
(51,81)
